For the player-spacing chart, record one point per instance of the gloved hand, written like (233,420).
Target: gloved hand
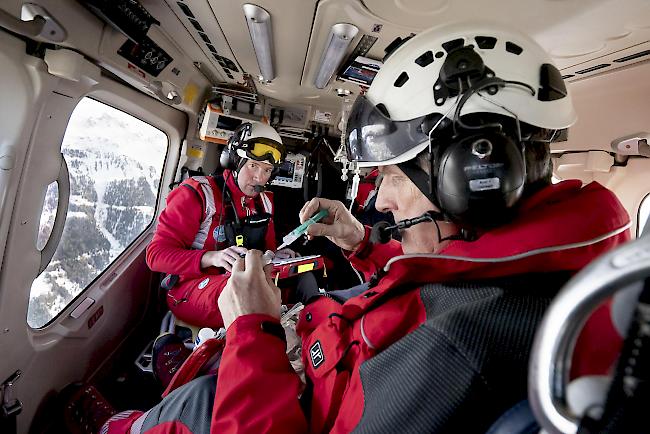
(222,258)
(339,226)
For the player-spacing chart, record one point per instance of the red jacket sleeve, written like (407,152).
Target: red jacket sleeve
(257,390)
(369,257)
(170,249)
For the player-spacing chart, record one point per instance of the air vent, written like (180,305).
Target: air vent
(186,10)
(225,63)
(205,38)
(425,59)
(486,42)
(593,68)
(403,78)
(632,56)
(453,44)
(196,25)
(513,48)
(211,48)
(635,54)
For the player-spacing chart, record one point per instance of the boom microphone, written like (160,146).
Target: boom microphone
(381,231)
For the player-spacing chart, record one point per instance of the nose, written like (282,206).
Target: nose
(385,201)
(257,174)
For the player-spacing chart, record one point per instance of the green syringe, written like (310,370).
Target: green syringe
(302,229)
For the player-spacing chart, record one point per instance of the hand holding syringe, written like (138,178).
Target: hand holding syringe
(295,234)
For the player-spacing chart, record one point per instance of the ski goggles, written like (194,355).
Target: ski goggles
(261,149)
(373,138)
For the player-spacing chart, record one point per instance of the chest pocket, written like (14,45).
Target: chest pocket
(249,232)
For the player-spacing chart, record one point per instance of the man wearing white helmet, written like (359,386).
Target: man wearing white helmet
(458,120)
(208,222)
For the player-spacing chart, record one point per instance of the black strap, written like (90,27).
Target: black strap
(225,191)
(10,407)
(420,178)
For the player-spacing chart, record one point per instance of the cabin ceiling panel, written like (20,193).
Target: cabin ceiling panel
(206,37)
(609,106)
(291,22)
(572,31)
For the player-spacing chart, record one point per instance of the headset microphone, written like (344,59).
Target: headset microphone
(381,231)
(259,188)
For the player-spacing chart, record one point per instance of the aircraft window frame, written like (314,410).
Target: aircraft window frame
(159,171)
(45,226)
(643,213)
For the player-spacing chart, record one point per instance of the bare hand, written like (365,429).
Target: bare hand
(222,258)
(285,253)
(249,290)
(339,226)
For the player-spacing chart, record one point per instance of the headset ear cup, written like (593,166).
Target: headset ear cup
(437,153)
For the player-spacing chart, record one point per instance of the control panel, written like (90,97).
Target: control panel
(292,171)
(127,16)
(147,55)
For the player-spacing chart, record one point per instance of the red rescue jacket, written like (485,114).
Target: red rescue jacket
(257,391)
(171,250)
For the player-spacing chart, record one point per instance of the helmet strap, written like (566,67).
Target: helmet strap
(422,180)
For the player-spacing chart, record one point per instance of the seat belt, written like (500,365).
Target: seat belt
(11,407)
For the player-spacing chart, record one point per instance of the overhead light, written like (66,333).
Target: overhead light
(338,41)
(259,27)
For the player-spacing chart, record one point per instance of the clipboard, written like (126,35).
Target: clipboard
(284,268)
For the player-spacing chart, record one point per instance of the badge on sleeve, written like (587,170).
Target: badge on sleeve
(204,283)
(316,354)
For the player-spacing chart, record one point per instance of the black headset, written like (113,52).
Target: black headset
(229,159)
(479,178)
(478,171)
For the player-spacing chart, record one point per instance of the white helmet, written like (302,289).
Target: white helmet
(423,78)
(253,140)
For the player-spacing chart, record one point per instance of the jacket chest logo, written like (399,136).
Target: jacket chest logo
(219,234)
(316,354)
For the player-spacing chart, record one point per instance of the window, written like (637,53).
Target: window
(644,212)
(115,162)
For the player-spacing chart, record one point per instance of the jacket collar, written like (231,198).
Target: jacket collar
(561,228)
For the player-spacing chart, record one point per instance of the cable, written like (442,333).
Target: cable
(223,201)
(517,256)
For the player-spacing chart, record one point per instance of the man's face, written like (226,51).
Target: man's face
(400,196)
(253,173)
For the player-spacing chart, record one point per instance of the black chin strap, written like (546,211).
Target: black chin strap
(420,178)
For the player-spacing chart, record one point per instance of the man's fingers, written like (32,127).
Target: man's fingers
(254,260)
(239,266)
(238,249)
(229,256)
(309,209)
(322,230)
(268,270)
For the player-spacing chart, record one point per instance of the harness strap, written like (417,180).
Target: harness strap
(209,212)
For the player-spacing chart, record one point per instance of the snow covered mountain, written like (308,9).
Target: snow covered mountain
(115,162)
